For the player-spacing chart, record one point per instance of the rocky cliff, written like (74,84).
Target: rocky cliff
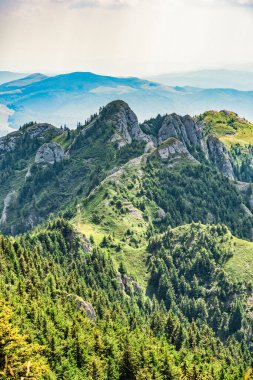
(49,153)
(218,155)
(125,123)
(183,128)
(172,150)
(191,133)
(41,131)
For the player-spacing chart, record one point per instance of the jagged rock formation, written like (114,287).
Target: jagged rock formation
(188,134)
(8,143)
(173,150)
(81,304)
(126,283)
(49,153)
(41,131)
(218,154)
(191,134)
(86,246)
(182,128)
(125,122)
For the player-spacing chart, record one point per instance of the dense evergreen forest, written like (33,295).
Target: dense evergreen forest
(50,286)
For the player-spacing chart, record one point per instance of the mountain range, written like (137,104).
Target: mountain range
(68,99)
(8,76)
(234,79)
(126,247)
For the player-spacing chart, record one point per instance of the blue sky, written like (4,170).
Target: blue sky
(125,37)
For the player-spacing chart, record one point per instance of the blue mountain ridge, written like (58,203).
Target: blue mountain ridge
(71,98)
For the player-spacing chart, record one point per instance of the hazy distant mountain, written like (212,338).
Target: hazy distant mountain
(22,82)
(6,76)
(71,98)
(239,79)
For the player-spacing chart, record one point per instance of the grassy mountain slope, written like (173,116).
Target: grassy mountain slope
(109,212)
(241,263)
(179,188)
(236,134)
(229,127)
(145,196)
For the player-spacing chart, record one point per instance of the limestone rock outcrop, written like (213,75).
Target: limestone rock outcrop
(86,307)
(218,155)
(172,150)
(41,131)
(49,153)
(125,123)
(183,128)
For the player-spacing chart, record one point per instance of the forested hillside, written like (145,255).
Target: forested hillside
(87,320)
(126,250)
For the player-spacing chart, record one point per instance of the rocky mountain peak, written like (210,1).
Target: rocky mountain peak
(125,122)
(42,130)
(183,128)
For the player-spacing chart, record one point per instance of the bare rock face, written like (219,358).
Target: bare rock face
(190,134)
(126,283)
(218,154)
(183,128)
(9,142)
(49,153)
(173,150)
(86,307)
(125,123)
(86,245)
(41,129)
(10,197)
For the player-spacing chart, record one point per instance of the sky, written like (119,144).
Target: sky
(125,37)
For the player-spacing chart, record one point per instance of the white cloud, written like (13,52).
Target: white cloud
(112,4)
(124,37)
(231,2)
(243,2)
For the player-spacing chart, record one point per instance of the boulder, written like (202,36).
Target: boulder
(86,307)
(49,153)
